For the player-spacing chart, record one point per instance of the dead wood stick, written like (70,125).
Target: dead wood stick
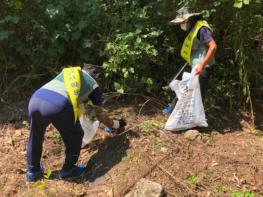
(126,130)
(143,175)
(143,106)
(27,76)
(111,95)
(176,180)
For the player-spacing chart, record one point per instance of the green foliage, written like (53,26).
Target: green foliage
(51,30)
(47,174)
(130,54)
(256,131)
(193,181)
(56,136)
(245,193)
(25,124)
(240,3)
(133,41)
(40,185)
(219,191)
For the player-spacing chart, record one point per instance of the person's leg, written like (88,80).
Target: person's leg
(38,125)
(71,134)
(169,109)
(73,140)
(173,103)
(204,79)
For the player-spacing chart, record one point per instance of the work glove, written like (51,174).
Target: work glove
(122,123)
(119,126)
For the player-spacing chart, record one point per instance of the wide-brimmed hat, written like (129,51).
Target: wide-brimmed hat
(182,15)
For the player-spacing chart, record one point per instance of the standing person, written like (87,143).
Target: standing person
(58,102)
(199,48)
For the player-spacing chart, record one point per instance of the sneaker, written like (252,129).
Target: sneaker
(73,172)
(167,110)
(34,176)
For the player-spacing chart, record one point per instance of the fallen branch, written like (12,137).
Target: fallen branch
(176,180)
(112,95)
(28,76)
(143,106)
(158,164)
(144,175)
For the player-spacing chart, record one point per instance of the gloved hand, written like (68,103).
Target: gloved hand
(108,129)
(118,127)
(122,123)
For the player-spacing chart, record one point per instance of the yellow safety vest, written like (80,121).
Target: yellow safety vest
(188,42)
(73,84)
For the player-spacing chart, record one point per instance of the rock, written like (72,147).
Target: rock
(192,134)
(164,150)
(214,163)
(205,138)
(146,188)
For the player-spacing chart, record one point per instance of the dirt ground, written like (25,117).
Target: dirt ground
(226,160)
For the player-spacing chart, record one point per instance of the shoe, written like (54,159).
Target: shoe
(73,172)
(167,110)
(34,176)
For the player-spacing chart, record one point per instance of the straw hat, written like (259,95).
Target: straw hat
(182,15)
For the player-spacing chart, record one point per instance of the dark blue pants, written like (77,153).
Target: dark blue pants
(41,114)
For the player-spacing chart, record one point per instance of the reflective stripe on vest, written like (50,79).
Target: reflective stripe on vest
(73,83)
(188,42)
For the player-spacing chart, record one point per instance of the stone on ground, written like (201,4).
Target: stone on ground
(146,188)
(192,134)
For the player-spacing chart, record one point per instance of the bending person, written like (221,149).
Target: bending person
(58,102)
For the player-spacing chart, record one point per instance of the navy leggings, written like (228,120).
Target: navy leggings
(41,114)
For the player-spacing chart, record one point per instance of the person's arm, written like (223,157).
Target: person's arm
(103,117)
(206,38)
(96,96)
(100,112)
(212,47)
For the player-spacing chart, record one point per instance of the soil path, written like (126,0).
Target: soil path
(222,162)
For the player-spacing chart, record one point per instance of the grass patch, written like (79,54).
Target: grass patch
(193,181)
(218,191)
(149,126)
(222,189)
(55,136)
(256,131)
(245,193)
(47,174)
(40,185)
(25,124)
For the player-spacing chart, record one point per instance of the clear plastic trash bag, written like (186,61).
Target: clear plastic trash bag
(90,128)
(189,110)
